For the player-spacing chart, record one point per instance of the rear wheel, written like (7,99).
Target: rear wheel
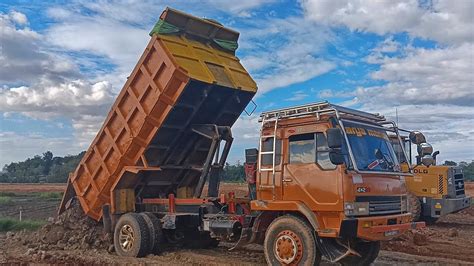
(131,236)
(368,253)
(290,241)
(156,234)
(415,206)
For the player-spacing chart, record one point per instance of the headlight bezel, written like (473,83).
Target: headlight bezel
(356,208)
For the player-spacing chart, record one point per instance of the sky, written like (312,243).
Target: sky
(62,63)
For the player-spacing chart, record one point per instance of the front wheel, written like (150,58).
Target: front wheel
(368,253)
(290,241)
(414,206)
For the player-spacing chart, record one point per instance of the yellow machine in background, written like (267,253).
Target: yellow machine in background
(434,190)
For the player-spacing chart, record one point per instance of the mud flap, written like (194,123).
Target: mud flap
(69,194)
(333,250)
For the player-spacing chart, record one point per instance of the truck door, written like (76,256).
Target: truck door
(309,175)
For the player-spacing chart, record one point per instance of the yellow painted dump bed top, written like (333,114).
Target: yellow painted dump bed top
(187,75)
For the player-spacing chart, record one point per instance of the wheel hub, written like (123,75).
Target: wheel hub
(288,248)
(126,237)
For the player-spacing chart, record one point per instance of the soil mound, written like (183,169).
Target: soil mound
(72,230)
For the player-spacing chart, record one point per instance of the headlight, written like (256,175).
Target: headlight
(356,208)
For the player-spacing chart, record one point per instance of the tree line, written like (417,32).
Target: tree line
(468,168)
(47,168)
(55,169)
(41,168)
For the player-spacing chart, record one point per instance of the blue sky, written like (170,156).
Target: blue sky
(63,63)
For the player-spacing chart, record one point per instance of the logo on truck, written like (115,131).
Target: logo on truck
(420,171)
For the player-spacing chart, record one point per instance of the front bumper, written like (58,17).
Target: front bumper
(378,227)
(439,207)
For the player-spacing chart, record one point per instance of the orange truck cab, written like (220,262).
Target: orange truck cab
(333,168)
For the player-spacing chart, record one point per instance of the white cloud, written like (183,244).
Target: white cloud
(432,88)
(85,103)
(23,57)
(242,8)
(18,17)
(119,43)
(442,20)
(447,127)
(246,132)
(285,52)
(425,76)
(433,92)
(298,96)
(388,46)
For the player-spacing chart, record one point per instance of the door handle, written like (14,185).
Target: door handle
(287,180)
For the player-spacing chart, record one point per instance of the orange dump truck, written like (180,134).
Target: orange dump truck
(325,180)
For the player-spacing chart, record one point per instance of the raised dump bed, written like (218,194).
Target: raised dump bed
(187,77)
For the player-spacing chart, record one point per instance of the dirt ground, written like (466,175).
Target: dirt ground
(448,242)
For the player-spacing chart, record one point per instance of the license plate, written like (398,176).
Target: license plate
(391,233)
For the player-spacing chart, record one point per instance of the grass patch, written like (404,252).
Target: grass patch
(51,195)
(7,194)
(5,199)
(9,224)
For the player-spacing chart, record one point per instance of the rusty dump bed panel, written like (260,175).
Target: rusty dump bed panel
(145,142)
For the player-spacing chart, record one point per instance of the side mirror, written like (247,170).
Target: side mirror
(336,157)
(334,138)
(416,137)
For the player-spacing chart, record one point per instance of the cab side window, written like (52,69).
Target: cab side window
(310,148)
(267,146)
(302,148)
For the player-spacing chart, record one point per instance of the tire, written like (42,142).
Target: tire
(133,227)
(415,206)
(156,234)
(290,241)
(368,251)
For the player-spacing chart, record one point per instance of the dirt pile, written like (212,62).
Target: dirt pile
(451,237)
(72,230)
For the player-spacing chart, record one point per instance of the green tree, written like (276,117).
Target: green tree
(450,163)
(41,168)
(233,173)
(47,162)
(468,169)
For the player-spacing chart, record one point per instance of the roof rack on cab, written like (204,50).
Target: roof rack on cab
(318,109)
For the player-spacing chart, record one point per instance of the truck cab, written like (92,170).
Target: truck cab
(336,167)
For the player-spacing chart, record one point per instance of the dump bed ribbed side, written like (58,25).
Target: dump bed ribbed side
(178,82)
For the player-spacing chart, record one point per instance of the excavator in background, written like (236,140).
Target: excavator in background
(434,190)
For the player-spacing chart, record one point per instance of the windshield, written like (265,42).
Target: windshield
(371,148)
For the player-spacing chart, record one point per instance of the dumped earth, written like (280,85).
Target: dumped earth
(74,238)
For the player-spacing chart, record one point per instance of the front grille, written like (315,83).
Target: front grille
(459,184)
(382,205)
